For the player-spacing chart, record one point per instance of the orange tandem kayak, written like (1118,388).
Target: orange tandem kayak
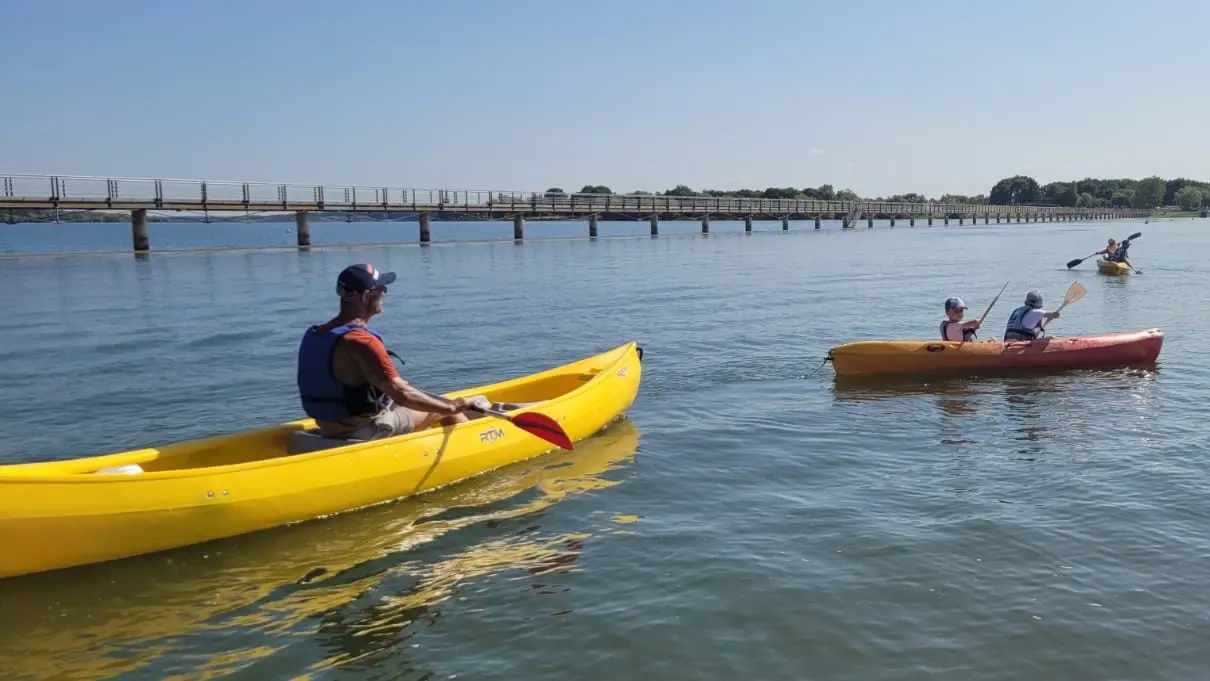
(1126,348)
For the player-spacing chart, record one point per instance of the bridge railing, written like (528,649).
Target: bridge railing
(224,195)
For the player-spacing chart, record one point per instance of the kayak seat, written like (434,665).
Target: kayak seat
(304,441)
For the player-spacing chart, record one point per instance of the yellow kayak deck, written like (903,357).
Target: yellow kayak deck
(63,513)
(1112,267)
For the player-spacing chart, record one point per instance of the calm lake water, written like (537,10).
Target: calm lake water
(750,519)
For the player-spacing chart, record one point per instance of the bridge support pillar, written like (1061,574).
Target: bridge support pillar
(785,224)
(302,228)
(748,224)
(705,224)
(518,228)
(986,219)
(947,221)
(138,230)
(426,234)
(655,225)
(930,221)
(892,220)
(912,221)
(961,220)
(818,222)
(869,222)
(592,226)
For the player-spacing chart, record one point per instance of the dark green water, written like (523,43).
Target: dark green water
(747,520)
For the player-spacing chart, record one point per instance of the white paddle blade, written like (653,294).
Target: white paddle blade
(1074,292)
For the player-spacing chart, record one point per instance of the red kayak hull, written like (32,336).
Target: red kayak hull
(1108,350)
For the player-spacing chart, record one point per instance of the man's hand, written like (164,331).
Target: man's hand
(461,404)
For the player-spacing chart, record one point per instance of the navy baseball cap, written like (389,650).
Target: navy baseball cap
(361,278)
(954,304)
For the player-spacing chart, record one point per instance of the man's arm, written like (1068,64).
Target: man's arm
(371,356)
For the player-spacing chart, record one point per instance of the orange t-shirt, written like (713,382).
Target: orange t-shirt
(359,367)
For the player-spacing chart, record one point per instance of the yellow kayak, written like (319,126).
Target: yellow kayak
(60,514)
(1111,267)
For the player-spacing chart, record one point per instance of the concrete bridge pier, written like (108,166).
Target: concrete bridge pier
(912,221)
(785,224)
(869,222)
(302,228)
(592,226)
(426,234)
(748,225)
(705,224)
(138,230)
(518,228)
(655,225)
(892,220)
(817,222)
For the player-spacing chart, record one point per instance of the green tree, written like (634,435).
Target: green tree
(1015,190)
(680,190)
(1150,193)
(596,189)
(1189,198)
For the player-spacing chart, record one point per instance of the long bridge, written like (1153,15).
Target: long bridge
(19,192)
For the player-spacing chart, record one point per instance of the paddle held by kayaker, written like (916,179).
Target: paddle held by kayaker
(346,379)
(1026,322)
(952,327)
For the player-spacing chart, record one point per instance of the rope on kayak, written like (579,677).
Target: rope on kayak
(825,361)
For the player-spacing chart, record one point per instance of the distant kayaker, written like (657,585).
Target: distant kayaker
(952,327)
(1026,322)
(1119,253)
(346,380)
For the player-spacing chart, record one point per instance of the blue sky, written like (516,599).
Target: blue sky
(880,97)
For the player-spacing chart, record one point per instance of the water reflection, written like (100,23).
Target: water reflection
(355,582)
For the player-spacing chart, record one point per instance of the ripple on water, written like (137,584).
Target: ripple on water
(759,520)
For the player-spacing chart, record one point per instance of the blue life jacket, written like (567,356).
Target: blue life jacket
(1016,330)
(967,334)
(323,397)
(1119,255)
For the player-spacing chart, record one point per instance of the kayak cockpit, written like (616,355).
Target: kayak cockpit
(309,440)
(300,437)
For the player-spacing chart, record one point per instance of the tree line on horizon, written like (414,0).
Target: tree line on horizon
(1149,192)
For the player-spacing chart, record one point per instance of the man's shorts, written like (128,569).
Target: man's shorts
(396,420)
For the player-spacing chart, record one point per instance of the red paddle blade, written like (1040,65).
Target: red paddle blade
(544,427)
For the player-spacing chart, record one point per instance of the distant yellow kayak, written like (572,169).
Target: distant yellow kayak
(1112,267)
(64,513)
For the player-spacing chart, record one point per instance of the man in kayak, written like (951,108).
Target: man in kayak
(1119,253)
(346,380)
(952,327)
(1109,250)
(1027,322)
